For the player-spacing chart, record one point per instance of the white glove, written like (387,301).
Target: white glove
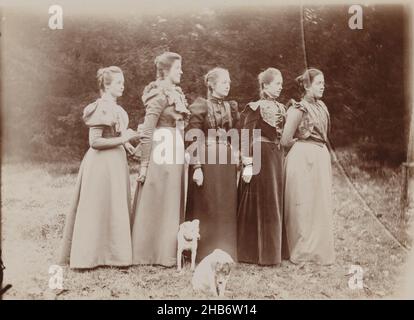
(142,174)
(187,157)
(198,177)
(247,173)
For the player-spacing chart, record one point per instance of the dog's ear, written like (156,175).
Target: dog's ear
(214,265)
(228,258)
(185,225)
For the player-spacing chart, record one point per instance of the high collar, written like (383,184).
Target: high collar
(107,97)
(165,84)
(310,99)
(216,100)
(265,95)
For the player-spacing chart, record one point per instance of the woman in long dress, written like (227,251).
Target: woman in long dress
(98,230)
(212,187)
(159,198)
(308,185)
(260,211)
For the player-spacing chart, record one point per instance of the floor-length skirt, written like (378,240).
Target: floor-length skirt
(215,204)
(159,203)
(308,204)
(259,216)
(98,227)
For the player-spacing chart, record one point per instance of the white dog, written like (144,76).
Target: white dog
(212,273)
(187,237)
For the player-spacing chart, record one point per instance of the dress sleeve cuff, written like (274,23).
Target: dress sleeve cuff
(247,161)
(197,166)
(144,164)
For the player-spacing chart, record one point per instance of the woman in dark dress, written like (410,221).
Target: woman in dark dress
(259,216)
(212,188)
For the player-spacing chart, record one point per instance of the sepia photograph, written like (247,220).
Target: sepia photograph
(207,150)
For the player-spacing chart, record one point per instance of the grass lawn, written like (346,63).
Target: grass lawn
(36,198)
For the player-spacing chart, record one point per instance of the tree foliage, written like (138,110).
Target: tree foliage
(50,74)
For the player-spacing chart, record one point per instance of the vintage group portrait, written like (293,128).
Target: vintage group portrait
(207,150)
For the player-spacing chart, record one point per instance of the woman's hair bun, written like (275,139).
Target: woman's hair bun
(104,76)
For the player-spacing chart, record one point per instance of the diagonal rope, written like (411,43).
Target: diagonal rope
(302,33)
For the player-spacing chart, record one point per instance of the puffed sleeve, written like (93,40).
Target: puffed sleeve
(298,105)
(235,114)
(98,113)
(248,121)
(293,120)
(198,113)
(154,107)
(195,128)
(97,116)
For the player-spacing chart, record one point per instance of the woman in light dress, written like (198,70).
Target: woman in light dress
(159,199)
(98,227)
(308,184)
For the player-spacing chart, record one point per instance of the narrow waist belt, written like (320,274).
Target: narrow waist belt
(210,142)
(265,139)
(225,142)
(166,127)
(315,142)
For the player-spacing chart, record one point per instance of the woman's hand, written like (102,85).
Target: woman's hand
(247,173)
(198,177)
(187,157)
(142,174)
(129,135)
(129,148)
(290,143)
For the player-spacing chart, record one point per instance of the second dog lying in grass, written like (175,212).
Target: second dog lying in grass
(187,237)
(212,273)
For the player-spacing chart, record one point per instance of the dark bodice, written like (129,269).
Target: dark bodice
(213,114)
(268,116)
